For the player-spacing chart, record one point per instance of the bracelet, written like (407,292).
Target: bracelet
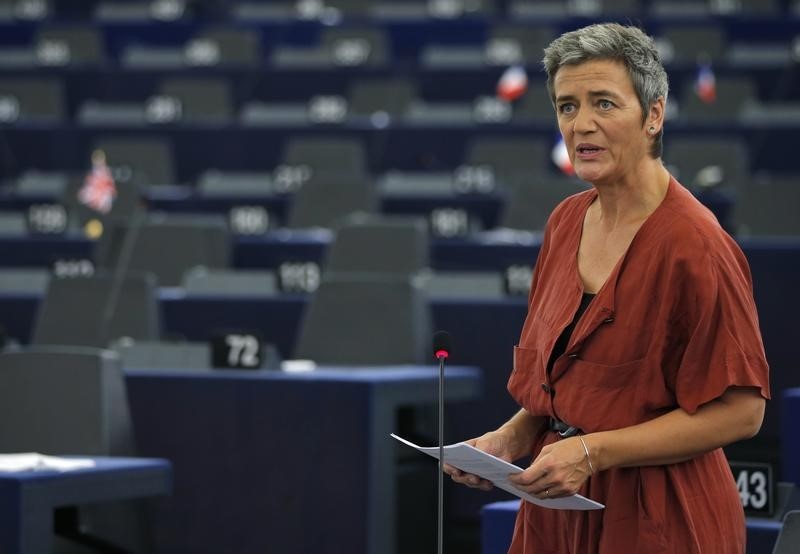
(588,459)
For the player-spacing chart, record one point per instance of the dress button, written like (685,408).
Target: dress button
(608,319)
(546,388)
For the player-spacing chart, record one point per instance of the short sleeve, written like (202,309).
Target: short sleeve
(719,325)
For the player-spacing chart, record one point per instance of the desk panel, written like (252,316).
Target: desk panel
(28,499)
(275,462)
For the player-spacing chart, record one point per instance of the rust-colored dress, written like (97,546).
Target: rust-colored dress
(674,326)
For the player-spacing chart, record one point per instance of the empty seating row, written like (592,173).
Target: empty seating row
(503,182)
(377,101)
(476,45)
(370,262)
(281,10)
(488,163)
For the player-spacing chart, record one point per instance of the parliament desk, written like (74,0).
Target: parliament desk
(298,463)
(28,499)
(497,527)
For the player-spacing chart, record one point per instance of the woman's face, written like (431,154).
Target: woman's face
(600,118)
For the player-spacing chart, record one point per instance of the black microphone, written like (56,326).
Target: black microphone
(441,351)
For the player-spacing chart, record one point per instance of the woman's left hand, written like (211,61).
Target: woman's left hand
(560,469)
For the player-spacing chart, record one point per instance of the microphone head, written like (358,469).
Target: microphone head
(441,344)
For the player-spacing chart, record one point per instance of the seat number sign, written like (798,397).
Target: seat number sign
(756,487)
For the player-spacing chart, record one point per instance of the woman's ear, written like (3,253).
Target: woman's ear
(655,117)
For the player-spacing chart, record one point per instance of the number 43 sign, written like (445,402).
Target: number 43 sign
(756,487)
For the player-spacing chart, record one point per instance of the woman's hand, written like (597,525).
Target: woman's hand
(496,443)
(560,469)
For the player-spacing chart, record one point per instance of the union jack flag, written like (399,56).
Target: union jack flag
(98,190)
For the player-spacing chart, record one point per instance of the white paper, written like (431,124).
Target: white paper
(31,461)
(470,459)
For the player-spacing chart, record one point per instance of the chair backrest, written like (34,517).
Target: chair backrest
(691,43)
(511,159)
(621,6)
(687,156)
(338,155)
(351,7)
(789,538)
(528,40)
(769,208)
(70,45)
(230,46)
(536,105)
(530,203)
(202,100)
(39,99)
(392,96)
(679,8)
(91,311)
(356,46)
(379,244)
(324,200)
(72,401)
(64,401)
(733,94)
(167,246)
(366,319)
(145,161)
(746,7)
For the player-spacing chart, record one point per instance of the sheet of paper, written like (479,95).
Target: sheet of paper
(32,461)
(470,459)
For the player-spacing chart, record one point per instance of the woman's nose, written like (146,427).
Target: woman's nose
(583,121)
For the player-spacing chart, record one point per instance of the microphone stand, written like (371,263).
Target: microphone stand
(440,527)
(121,267)
(441,350)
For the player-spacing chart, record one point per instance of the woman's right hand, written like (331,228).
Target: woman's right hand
(496,443)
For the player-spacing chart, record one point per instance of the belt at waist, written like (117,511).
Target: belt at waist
(563,429)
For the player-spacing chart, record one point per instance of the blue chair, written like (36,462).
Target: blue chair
(790,449)
(497,526)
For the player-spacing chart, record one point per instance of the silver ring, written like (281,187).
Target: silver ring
(547,492)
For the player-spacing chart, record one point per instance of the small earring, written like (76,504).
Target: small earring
(652,130)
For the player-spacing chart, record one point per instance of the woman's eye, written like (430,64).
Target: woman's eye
(566,108)
(605,104)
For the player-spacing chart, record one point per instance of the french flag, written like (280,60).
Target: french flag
(513,83)
(705,84)
(560,157)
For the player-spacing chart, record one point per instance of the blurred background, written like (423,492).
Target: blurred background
(208,184)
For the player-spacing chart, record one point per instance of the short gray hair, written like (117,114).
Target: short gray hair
(612,41)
